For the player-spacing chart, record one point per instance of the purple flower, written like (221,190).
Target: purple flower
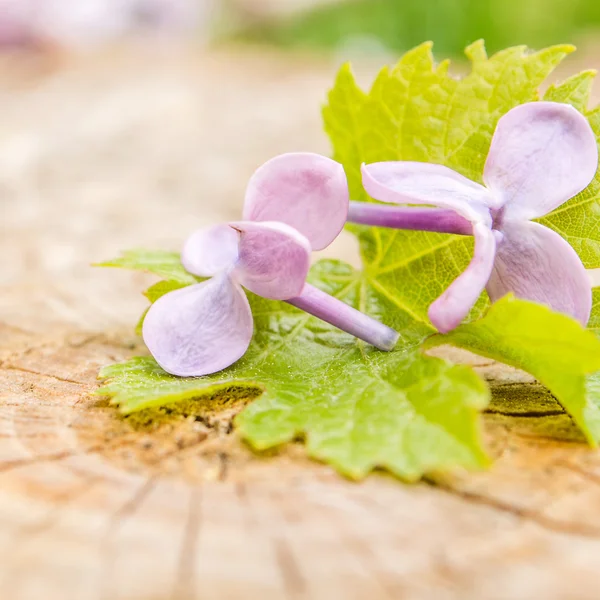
(294,203)
(542,154)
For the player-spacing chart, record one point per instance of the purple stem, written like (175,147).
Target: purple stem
(348,319)
(408,217)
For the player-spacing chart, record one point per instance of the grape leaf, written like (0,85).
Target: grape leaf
(551,346)
(153,293)
(159,262)
(358,408)
(417,111)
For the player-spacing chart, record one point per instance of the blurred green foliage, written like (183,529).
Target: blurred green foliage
(451,24)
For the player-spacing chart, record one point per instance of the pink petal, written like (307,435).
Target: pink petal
(210,250)
(542,154)
(307,191)
(537,264)
(424,183)
(199,329)
(273,259)
(454,304)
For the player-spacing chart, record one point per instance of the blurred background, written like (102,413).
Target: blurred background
(318,25)
(128,123)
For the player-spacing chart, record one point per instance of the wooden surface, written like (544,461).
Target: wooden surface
(103,154)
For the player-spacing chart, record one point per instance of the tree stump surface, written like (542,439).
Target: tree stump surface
(107,153)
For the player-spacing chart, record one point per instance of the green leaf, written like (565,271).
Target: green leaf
(554,348)
(357,408)
(153,293)
(164,264)
(417,111)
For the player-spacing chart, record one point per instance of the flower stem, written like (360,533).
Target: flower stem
(348,319)
(409,217)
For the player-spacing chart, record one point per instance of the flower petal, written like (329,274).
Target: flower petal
(210,250)
(274,259)
(199,329)
(307,191)
(454,304)
(542,154)
(535,263)
(403,182)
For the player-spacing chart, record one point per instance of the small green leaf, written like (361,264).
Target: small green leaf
(159,262)
(154,292)
(140,324)
(357,407)
(554,348)
(164,264)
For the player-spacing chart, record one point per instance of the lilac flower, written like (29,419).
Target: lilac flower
(294,203)
(542,154)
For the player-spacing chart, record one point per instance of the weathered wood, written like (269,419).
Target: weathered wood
(101,155)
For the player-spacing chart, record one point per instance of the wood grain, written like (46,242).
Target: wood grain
(119,151)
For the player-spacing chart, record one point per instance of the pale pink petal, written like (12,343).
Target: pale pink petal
(307,191)
(210,250)
(542,154)
(537,264)
(403,182)
(274,259)
(454,304)
(200,329)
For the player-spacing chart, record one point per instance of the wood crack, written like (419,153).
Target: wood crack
(185,586)
(9,367)
(10,465)
(579,470)
(552,525)
(116,521)
(128,509)
(293,581)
